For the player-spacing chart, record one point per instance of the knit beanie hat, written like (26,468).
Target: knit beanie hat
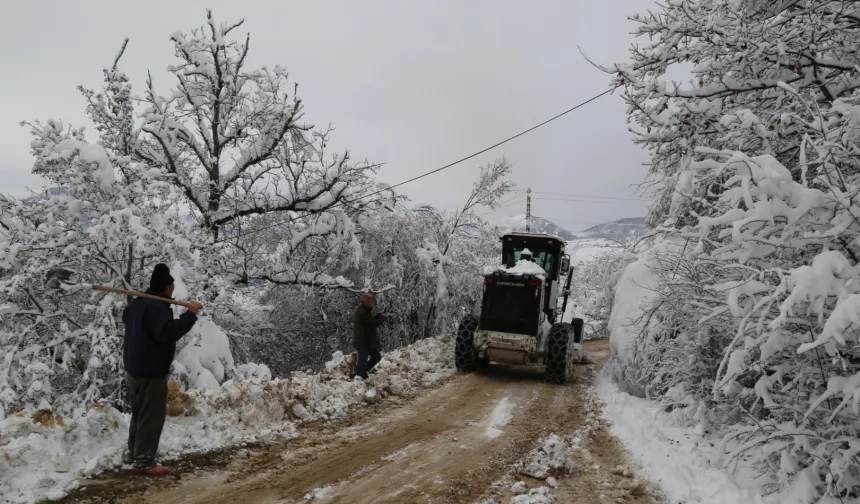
(161,278)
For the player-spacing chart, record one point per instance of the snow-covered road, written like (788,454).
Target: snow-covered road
(450,444)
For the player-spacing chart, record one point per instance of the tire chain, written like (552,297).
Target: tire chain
(464,350)
(558,346)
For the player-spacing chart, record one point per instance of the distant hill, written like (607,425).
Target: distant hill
(621,228)
(538,225)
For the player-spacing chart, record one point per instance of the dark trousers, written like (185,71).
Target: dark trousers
(367,360)
(148,399)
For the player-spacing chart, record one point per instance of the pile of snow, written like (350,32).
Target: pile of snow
(205,361)
(250,371)
(319,493)
(685,461)
(551,458)
(540,495)
(524,267)
(47,459)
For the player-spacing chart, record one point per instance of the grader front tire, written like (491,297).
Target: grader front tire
(558,361)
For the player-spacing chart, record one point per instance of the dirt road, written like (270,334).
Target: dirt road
(448,445)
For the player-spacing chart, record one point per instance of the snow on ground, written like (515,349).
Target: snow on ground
(500,417)
(586,249)
(48,458)
(673,456)
(319,493)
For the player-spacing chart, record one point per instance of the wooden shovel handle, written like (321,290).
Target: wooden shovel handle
(124,292)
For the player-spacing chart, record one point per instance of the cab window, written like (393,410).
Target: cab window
(544,259)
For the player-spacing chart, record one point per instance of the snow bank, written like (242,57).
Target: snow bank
(46,459)
(633,294)
(679,460)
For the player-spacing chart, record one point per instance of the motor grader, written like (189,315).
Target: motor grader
(520,322)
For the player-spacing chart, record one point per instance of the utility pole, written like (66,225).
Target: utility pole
(528,209)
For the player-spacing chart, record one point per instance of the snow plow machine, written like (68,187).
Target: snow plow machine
(519,309)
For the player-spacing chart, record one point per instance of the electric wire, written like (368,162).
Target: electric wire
(437,170)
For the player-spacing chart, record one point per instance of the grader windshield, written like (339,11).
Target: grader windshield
(546,251)
(545,259)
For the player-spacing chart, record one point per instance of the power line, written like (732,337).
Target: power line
(505,204)
(449,165)
(517,194)
(613,198)
(551,119)
(582,200)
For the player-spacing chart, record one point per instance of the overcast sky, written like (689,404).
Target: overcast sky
(413,84)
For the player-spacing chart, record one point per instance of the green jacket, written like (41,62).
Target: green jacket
(364,325)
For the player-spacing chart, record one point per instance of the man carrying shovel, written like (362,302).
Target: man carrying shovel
(151,334)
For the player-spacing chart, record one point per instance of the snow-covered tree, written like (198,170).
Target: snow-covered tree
(219,175)
(433,260)
(738,54)
(754,321)
(462,225)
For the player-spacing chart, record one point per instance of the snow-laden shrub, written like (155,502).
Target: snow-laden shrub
(753,321)
(749,326)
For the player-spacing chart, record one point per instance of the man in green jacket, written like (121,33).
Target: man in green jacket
(364,337)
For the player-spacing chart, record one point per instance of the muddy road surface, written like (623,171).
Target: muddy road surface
(447,445)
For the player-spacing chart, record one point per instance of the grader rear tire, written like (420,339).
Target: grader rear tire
(577,325)
(465,357)
(558,362)
(577,354)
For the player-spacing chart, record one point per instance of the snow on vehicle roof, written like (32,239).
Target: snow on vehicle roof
(525,252)
(524,267)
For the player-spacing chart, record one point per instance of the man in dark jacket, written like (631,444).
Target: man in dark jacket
(364,337)
(151,334)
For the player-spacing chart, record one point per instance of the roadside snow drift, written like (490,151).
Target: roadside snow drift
(679,459)
(44,457)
